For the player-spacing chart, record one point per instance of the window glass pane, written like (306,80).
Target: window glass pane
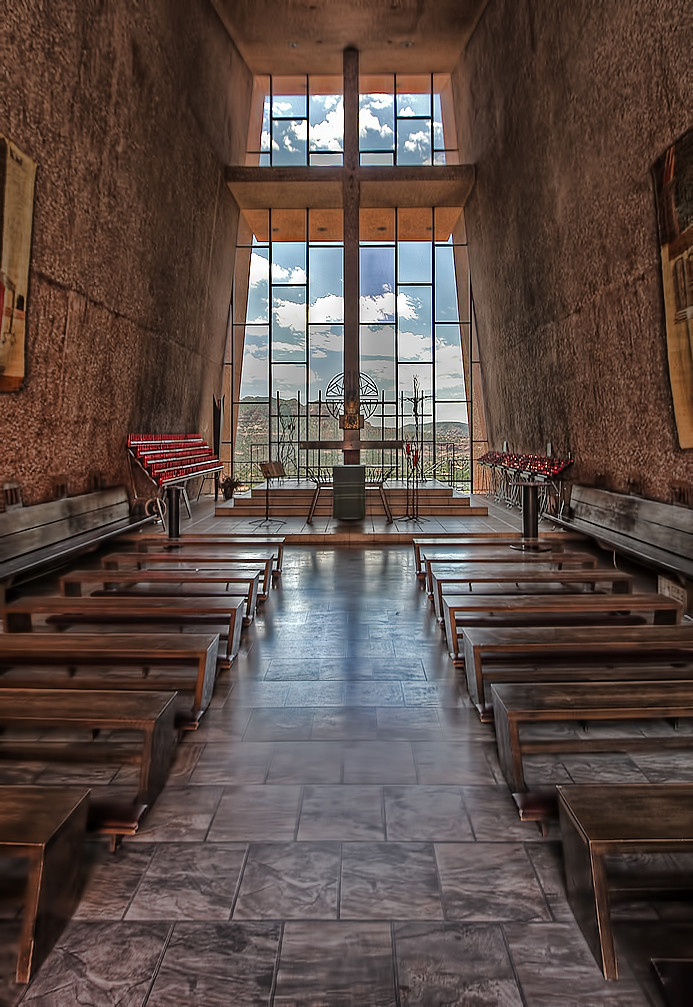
(326,296)
(325,160)
(257,309)
(252,433)
(255,371)
(454,413)
(446,285)
(289,324)
(376,122)
(405,382)
(326,122)
(414,322)
(265,137)
(288,262)
(438,135)
(414,261)
(289,380)
(378,341)
(414,104)
(377,284)
(413,141)
(382,370)
(289,97)
(289,141)
(449,373)
(326,356)
(384,157)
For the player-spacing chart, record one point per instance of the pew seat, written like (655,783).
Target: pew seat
(163,582)
(463,611)
(620,652)
(518,705)
(46,827)
(144,662)
(602,824)
(192,559)
(20,616)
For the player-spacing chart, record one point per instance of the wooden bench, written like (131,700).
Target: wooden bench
(196,610)
(45,535)
(561,559)
(501,655)
(191,559)
(45,826)
(149,714)
(155,541)
(533,703)
(603,822)
(461,611)
(657,534)
(537,581)
(76,652)
(483,539)
(164,582)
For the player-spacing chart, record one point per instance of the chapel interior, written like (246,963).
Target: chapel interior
(358,338)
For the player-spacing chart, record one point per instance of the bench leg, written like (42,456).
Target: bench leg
(53,891)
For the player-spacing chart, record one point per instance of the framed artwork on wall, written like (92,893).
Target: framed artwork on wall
(673,178)
(17,177)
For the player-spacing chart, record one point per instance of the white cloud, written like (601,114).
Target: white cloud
(326,341)
(290,315)
(414,347)
(294,275)
(368,121)
(327,135)
(418,142)
(329,308)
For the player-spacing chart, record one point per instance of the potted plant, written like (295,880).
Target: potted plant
(228,486)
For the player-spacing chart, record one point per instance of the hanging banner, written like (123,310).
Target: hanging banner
(17,177)
(673,175)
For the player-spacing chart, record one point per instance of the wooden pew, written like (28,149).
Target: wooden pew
(76,652)
(197,610)
(191,560)
(603,822)
(502,655)
(150,714)
(534,581)
(560,560)
(515,705)
(483,539)
(464,610)
(165,582)
(158,541)
(45,826)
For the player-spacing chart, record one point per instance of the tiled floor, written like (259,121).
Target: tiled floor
(337,832)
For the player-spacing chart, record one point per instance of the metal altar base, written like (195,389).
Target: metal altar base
(531,545)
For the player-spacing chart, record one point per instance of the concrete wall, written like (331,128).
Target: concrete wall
(131,110)
(564,107)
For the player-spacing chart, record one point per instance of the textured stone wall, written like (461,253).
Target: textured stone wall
(564,107)
(131,111)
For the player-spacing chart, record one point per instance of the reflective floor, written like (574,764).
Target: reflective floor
(337,832)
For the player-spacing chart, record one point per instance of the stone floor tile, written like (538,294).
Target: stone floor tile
(408,724)
(233,763)
(279,725)
(426,814)
(489,882)
(494,815)
(100,964)
(288,881)
(378,762)
(335,964)
(180,814)
(554,965)
(251,813)
(373,694)
(306,762)
(112,879)
(189,881)
(312,694)
(453,963)
(348,723)
(218,965)
(389,881)
(452,762)
(341,812)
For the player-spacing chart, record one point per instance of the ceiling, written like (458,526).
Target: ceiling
(309,36)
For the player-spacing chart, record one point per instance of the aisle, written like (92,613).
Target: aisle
(336,832)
